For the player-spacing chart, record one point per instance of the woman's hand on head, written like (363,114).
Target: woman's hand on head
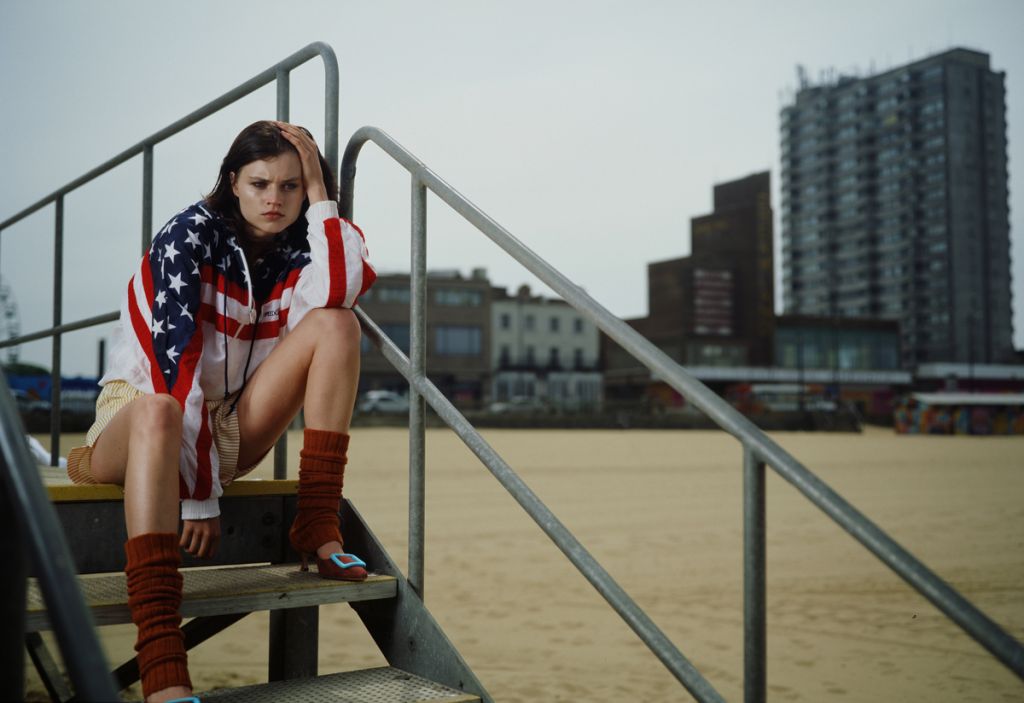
(309,156)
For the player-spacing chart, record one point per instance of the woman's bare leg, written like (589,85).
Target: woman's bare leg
(139,450)
(315,367)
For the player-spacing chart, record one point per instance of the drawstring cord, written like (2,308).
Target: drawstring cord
(224,330)
(224,327)
(248,358)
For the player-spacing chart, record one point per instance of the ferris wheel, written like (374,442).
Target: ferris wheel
(10,325)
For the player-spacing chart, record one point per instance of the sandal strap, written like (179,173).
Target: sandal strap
(356,561)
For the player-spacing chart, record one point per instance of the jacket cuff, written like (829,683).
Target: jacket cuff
(199,509)
(323,210)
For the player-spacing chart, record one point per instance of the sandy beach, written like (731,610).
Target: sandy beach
(662,511)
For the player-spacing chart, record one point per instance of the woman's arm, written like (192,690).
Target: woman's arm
(339,269)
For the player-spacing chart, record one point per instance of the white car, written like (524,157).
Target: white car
(518,405)
(383,402)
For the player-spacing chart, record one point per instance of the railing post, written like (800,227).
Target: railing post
(283,93)
(331,81)
(147,198)
(417,408)
(58,292)
(754,580)
(23,500)
(283,107)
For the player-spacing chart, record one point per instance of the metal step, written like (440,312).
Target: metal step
(382,685)
(220,591)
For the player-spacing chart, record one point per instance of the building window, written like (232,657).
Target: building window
(506,355)
(528,323)
(553,360)
(458,297)
(392,294)
(457,340)
(554,324)
(529,356)
(577,325)
(577,358)
(506,321)
(518,386)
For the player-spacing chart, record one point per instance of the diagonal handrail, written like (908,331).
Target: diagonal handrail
(616,596)
(261,79)
(759,449)
(51,559)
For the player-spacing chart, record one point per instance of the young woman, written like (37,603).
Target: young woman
(238,316)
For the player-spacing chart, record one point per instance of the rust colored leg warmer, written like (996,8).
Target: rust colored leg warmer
(321,474)
(154,598)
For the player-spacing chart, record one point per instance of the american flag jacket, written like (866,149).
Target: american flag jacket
(195,310)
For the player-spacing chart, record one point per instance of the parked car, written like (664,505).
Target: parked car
(383,402)
(518,404)
(27,403)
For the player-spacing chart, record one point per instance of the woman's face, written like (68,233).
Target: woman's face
(270,194)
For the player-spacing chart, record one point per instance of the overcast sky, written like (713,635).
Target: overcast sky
(593,131)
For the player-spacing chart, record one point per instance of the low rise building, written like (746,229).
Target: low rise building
(543,350)
(458,334)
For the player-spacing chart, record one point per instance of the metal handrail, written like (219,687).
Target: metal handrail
(52,563)
(759,449)
(279,72)
(289,63)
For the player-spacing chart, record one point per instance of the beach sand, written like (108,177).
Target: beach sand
(662,512)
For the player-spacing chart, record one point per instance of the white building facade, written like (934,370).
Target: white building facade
(543,350)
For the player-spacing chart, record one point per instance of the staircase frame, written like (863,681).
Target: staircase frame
(759,451)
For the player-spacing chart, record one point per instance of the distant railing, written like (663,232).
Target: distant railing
(758,451)
(280,72)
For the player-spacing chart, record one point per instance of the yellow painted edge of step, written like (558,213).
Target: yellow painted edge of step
(108,491)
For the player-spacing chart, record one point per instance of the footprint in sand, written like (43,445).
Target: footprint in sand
(834,688)
(784,692)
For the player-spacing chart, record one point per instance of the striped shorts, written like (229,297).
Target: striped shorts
(117,394)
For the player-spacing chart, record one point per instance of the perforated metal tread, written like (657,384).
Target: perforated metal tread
(221,590)
(383,685)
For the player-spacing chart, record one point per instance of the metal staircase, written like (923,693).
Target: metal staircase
(256,571)
(422,662)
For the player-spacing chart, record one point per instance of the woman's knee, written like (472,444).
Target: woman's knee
(338,325)
(157,417)
(150,426)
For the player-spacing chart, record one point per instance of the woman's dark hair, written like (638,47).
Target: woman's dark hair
(260,140)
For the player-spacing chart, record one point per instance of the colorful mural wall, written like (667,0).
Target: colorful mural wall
(956,414)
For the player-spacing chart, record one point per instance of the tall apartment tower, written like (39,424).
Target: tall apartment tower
(895,205)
